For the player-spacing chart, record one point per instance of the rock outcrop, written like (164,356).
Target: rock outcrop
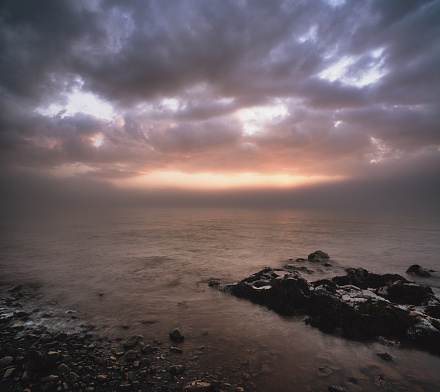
(359,305)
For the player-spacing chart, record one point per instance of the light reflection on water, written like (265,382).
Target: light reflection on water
(150,269)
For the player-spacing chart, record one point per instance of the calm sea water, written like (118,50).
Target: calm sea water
(149,268)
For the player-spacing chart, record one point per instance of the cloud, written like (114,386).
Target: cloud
(318,88)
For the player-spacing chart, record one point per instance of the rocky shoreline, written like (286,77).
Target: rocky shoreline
(35,357)
(359,305)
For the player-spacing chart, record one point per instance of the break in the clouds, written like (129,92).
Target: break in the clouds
(132,91)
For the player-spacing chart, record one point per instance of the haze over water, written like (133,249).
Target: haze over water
(150,268)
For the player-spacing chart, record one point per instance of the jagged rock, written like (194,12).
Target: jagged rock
(176,335)
(364,279)
(416,269)
(318,256)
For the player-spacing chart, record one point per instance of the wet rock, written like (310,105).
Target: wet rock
(380,381)
(101,378)
(147,349)
(15,289)
(359,305)
(130,356)
(403,292)
(214,283)
(34,362)
(285,293)
(176,335)
(17,325)
(433,311)
(131,342)
(176,370)
(63,368)
(198,386)
(6,361)
(9,373)
(52,378)
(125,386)
(364,279)
(324,371)
(416,269)
(22,314)
(318,256)
(385,356)
(337,388)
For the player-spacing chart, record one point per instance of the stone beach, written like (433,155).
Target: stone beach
(34,357)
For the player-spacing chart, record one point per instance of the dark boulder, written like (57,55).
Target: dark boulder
(403,292)
(318,256)
(286,295)
(416,269)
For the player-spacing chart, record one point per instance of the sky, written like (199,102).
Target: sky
(191,102)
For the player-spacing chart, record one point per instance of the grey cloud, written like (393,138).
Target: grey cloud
(186,138)
(216,58)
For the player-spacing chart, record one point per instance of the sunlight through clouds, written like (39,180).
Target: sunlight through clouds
(80,102)
(256,118)
(221,181)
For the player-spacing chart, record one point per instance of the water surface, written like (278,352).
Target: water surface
(149,268)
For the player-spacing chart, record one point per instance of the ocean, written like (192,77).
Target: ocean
(148,270)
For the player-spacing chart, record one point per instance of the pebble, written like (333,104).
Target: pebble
(63,368)
(337,388)
(6,361)
(9,372)
(67,362)
(197,386)
(131,342)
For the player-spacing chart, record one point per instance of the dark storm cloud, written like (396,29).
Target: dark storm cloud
(358,82)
